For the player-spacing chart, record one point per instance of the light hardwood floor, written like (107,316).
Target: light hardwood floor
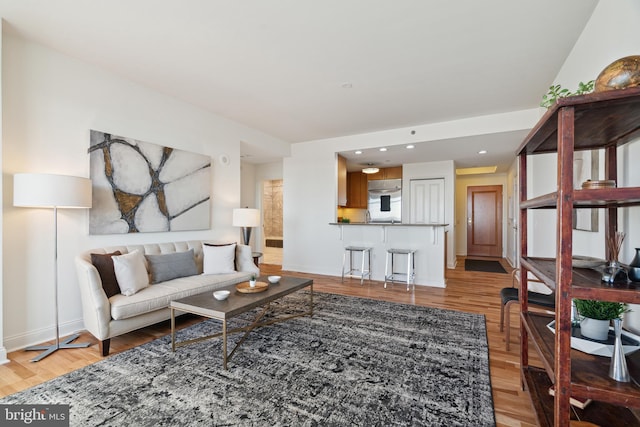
(466,291)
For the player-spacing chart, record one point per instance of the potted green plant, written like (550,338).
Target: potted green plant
(557,91)
(252,281)
(597,315)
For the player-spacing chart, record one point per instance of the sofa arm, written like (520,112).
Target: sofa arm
(244,260)
(96,307)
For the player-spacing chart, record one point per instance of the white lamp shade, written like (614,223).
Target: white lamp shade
(39,190)
(245,217)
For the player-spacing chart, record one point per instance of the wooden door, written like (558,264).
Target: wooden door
(484,220)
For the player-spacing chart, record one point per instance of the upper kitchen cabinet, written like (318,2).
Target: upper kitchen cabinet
(342,181)
(387,173)
(357,190)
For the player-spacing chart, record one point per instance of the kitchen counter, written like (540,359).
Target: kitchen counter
(428,240)
(388,224)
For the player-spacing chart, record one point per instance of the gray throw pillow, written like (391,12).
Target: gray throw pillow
(171,266)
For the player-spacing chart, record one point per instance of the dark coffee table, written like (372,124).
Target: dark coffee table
(236,304)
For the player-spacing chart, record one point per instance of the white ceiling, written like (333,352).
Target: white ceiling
(280,65)
(500,151)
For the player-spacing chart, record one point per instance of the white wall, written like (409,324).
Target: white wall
(464,181)
(612,32)
(513,219)
(253,177)
(264,172)
(248,198)
(3,350)
(310,184)
(50,102)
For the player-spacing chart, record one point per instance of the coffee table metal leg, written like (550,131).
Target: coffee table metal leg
(224,344)
(311,301)
(173,330)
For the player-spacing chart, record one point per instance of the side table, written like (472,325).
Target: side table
(256,257)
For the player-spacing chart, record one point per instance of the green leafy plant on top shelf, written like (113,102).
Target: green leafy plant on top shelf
(600,310)
(557,91)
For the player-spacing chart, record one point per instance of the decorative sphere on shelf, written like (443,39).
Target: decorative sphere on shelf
(620,74)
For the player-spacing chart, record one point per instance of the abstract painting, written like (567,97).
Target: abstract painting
(141,187)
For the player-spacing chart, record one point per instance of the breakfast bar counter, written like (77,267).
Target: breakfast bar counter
(388,224)
(428,240)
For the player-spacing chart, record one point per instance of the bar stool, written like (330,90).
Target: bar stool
(409,276)
(365,253)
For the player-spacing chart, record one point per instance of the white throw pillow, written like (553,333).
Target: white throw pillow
(131,273)
(219,259)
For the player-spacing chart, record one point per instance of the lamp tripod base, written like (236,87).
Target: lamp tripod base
(59,345)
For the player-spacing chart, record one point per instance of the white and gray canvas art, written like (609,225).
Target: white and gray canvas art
(140,187)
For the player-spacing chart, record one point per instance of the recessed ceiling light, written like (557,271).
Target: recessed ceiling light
(358,152)
(482,152)
(409,147)
(383,149)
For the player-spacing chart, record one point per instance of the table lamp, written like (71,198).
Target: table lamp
(246,218)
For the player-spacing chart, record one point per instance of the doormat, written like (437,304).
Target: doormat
(273,243)
(484,266)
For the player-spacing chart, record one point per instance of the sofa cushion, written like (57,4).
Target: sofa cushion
(159,296)
(171,266)
(219,259)
(131,273)
(104,264)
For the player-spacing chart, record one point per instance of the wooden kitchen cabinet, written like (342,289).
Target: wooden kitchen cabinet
(342,181)
(386,173)
(357,191)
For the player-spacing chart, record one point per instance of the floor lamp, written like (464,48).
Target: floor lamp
(246,218)
(55,192)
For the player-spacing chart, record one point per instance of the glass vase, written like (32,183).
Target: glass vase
(614,272)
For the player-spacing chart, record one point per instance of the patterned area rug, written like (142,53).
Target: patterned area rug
(356,362)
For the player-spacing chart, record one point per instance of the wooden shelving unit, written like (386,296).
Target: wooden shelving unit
(603,120)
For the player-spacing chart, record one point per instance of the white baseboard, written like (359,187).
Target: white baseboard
(3,356)
(35,337)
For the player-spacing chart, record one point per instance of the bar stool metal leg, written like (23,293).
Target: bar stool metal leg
(344,262)
(408,270)
(386,268)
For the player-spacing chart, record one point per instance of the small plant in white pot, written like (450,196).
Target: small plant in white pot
(597,315)
(252,281)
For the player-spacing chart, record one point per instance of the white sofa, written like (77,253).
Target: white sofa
(109,317)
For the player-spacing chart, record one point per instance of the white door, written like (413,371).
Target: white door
(427,201)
